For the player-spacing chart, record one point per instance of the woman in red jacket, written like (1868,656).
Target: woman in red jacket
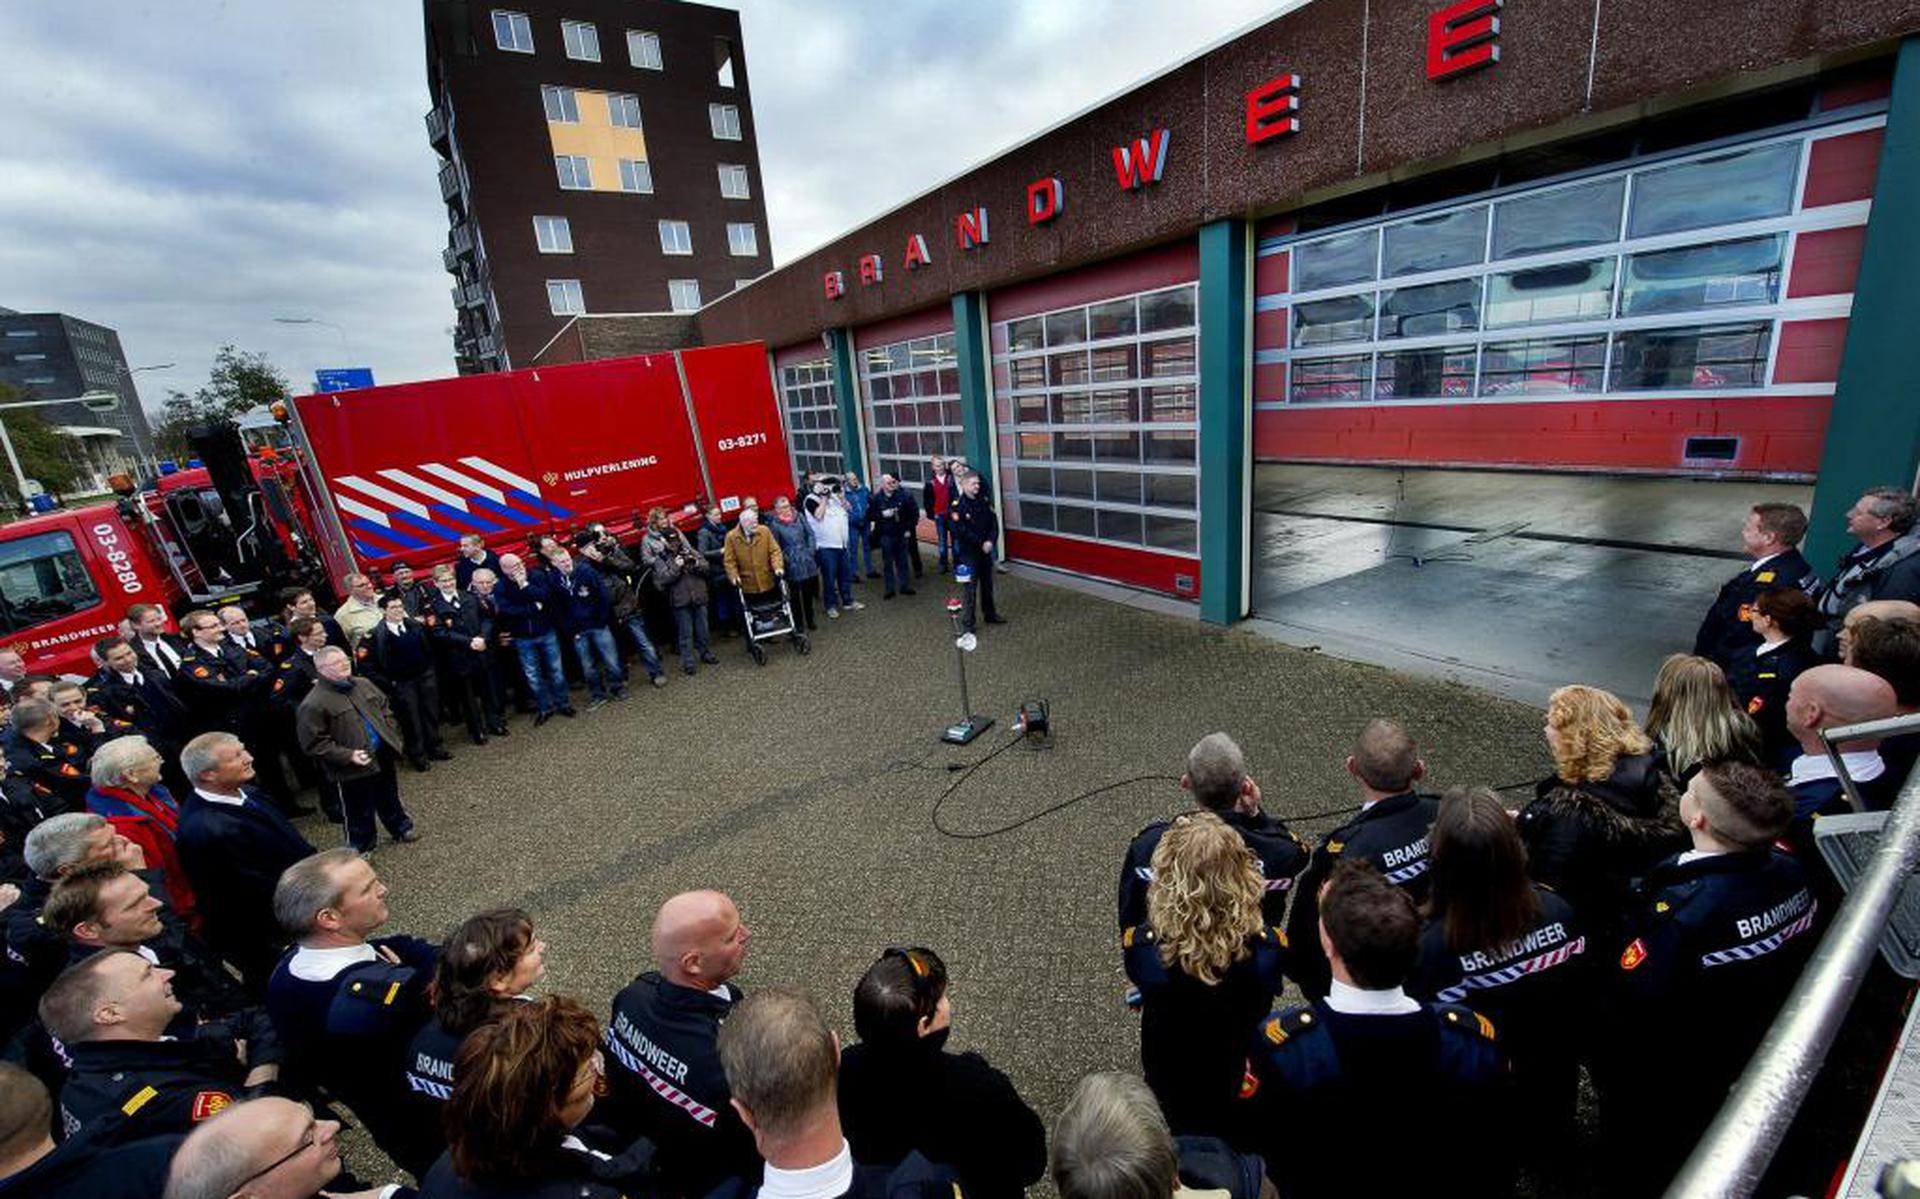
(127,791)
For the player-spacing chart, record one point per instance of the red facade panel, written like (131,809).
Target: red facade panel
(1810,351)
(1155,571)
(1270,329)
(1826,261)
(1269,382)
(1161,267)
(1270,273)
(1842,168)
(1778,434)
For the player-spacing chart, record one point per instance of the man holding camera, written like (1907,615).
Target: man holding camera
(680,572)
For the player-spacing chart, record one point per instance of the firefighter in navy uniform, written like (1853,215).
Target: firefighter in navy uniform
(459,633)
(215,687)
(1369,1065)
(1390,833)
(1715,938)
(975,531)
(398,656)
(128,693)
(293,677)
(347,1005)
(129,1079)
(1218,780)
(1770,536)
(664,1075)
(51,766)
(80,1167)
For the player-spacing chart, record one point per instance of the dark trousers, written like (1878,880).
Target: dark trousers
(913,546)
(980,589)
(417,703)
(804,591)
(260,730)
(375,795)
(893,559)
(471,682)
(943,537)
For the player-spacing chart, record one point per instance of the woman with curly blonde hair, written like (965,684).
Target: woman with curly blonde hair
(1207,969)
(1607,813)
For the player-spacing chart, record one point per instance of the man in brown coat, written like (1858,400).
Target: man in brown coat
(346,726)
(752,556)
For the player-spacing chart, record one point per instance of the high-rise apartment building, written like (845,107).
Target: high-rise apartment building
(596,156)
(50,355)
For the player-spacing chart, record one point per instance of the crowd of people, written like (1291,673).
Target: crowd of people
(194,996)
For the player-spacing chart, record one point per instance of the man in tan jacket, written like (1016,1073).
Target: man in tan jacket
(752,556)
(347,727)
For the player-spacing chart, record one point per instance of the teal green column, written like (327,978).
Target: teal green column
(976,403)
(1226,415)
(853,447)
(1873,434)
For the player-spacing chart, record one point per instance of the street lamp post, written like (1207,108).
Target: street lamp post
(314,320)
(96,401)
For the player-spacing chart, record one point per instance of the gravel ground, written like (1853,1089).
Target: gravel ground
(806,790)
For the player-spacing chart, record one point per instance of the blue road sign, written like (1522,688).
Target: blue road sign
(344,378)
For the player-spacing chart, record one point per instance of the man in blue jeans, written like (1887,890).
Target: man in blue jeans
(527,609)
(585,611)
(859,549)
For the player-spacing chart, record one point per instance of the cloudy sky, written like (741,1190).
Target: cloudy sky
(186,171)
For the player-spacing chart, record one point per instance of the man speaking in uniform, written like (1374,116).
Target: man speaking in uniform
(663,1057)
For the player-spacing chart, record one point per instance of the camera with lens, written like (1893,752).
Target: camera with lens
(823,484)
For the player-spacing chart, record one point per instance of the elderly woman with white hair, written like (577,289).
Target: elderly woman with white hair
(128,792)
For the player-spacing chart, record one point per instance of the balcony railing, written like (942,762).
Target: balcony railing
(437,126)
(462,239)
(449,182)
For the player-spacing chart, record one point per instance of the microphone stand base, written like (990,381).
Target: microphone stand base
(966,730)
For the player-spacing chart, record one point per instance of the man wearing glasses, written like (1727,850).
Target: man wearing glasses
(268,1149)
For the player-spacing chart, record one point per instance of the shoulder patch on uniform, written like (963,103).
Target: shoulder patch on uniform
(1765,576)
(1755,704)
(208,1104)
(1633,955)
(200,672)
(1279,935)
(140,1099)
(1662,906)
(1336,846)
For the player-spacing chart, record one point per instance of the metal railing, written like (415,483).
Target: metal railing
(1733,1156)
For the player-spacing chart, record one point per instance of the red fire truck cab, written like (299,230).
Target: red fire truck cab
(373,477)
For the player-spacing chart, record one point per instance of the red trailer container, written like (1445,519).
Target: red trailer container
(404,471)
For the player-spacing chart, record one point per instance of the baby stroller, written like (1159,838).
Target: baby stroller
(769,616)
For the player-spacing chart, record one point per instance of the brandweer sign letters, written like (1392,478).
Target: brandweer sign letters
(1461,38)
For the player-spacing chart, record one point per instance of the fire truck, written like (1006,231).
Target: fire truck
(365,479)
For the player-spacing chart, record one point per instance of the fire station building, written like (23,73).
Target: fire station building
(1608,236)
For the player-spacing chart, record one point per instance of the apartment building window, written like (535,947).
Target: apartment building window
(562,104)
(675,238)
(553,234)
(623,110)
(512,31)
(913,405)
(723,61)
(636,175)
(813,416)
(741,240)
(733,182)
(643,49)
(23,333)
(564,298)
(575,173)
(683,294)
(582,39)
(29,357)
(1103,404)
(725,119)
